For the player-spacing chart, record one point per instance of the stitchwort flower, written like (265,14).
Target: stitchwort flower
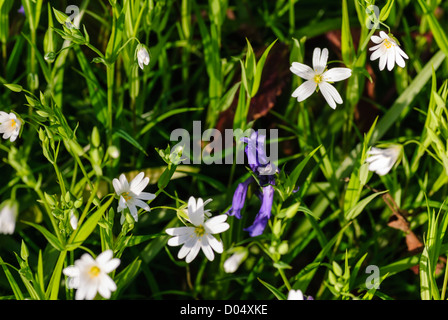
(198,235)
(90,276)
(234,261)
(265,173)
(142,56)
(388,51)
(8,217)
(381,161)
(319,78)
(9,126)
(131,195)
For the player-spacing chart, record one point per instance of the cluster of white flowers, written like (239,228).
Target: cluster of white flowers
(90,276)
(389,53)
(318,78)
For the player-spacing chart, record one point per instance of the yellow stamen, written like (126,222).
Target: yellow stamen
(388,44)
(13,123)
(126,196)
(94,272)
(318,78)
(199,231)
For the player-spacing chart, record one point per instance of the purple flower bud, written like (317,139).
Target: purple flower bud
(239,197)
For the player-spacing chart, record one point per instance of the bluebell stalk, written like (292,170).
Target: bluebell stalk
(265,173)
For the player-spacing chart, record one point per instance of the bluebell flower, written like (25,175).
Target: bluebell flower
(265,171)
(21,10)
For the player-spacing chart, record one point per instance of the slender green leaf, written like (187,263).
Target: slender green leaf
(52,239)
(357,209)
(274,290)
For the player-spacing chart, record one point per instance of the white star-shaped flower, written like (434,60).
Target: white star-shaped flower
(90,276)
(388,50)
(381,161)
(131,195)
(319,78)
(9,126)
(200,234)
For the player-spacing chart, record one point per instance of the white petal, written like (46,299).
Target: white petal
(305,90)
(320,58)
(124,182)
(13,137)
(193,252)
(106,287)
(196,211)
(117,186)
(138,186)
(3,117)
(399,59)
(134,212)
(137,179)
(121,204)
(186,248)
(7,134)
(91,292)
(383,61)
(207,249)
(111,265)
(177,241)
(384,35)
(215,243)
(104,256)
(390,59)
(217,224)
(337,74)
(376,39)
(402,53)
(378,53)
(316,59)
(81,293)
(71,271)
(323,59)
(146,196)
(302,70)
(330,94)
(374,158)
(141,204)
(375,150)
(180,231)
(376,47)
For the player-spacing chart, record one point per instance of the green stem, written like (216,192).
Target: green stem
(445,280)
(285,280)
(50,214)
(110,96)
